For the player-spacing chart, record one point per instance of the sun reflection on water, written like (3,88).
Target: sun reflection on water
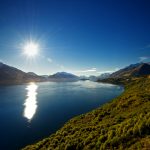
(30,103)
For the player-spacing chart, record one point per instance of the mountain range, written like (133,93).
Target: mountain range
(134,70)
(11,75)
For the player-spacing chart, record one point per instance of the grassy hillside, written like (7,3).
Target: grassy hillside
(121,124)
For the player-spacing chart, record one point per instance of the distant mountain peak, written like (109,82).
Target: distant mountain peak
(63,76)
(32,74)
(64,73)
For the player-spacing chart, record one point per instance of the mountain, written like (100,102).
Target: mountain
(11,75)
(104,76)
(63,76)
(100,77)
(95,78)
(45,76)
(134,70)
(84,78)
(32,74)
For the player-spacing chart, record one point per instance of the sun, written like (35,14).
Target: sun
(31,49)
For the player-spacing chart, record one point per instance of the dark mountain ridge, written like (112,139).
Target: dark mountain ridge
(134,70)
(11,75)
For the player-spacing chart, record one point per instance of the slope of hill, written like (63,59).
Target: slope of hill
(11,75)
(121,124)
(135,70)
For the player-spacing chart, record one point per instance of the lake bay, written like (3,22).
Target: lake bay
(33,111)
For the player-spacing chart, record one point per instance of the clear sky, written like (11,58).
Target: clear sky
(79,36)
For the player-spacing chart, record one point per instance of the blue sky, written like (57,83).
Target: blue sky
(79,36)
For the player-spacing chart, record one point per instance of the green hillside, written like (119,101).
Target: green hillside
(121,124)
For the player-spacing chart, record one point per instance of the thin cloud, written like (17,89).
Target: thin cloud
(108,71)
(88,70)
(143,58)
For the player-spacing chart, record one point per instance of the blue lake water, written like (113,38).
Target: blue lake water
(33,111)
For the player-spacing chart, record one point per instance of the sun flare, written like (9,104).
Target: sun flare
(31,49)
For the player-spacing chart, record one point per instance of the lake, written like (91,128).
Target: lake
(33,111)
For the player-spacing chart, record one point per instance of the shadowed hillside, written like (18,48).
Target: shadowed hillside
(135,70)
(11,75)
